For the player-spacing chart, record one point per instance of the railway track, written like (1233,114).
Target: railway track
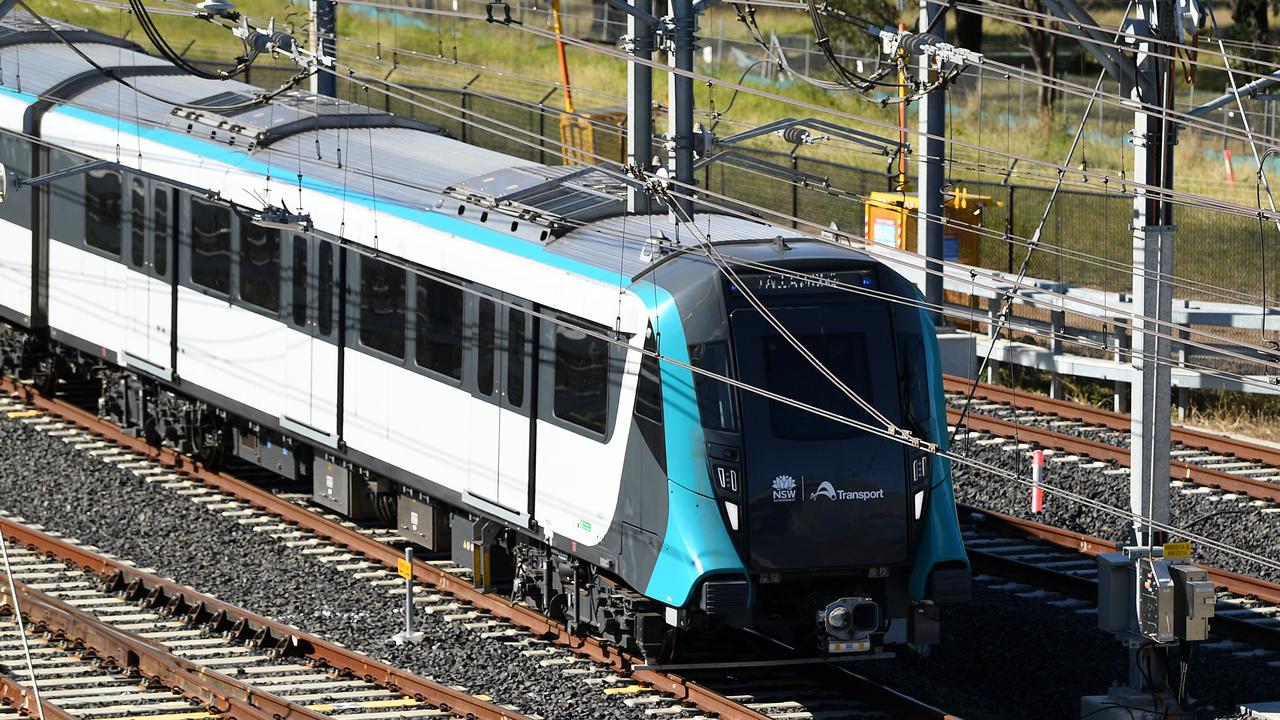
(1228,464)
(1047,557)
(446,591)
(107,632)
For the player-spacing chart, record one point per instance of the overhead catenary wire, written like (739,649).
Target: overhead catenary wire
(903,257)
(908,439)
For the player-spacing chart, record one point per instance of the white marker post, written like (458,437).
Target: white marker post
(405,569)
(1037,476)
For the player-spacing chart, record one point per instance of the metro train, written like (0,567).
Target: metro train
(488,352)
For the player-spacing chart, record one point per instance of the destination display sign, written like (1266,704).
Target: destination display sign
(807,282)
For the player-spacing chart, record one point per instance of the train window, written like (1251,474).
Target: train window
(210,246)
(516,336)
(914,382)
(791,375)
(298,281)
(15,153)
(161,230)
(324,307)
(382,306)
(137,222)
(259,266)
(485,346)
(438,345)
(649,387)
(581,378)
(715,397)
(102,206)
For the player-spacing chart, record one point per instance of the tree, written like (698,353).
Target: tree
(1042,44)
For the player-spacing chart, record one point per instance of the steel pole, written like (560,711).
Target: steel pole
(680,88)
(932,125)
(324,42)
(640,102)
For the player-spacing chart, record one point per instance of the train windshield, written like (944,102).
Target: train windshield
(839,486)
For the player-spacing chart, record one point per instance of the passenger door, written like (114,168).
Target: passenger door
(311,350)
(502,389)
(148,289)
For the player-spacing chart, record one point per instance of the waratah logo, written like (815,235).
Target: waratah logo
(784,489)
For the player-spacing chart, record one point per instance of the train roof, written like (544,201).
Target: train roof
(574,211)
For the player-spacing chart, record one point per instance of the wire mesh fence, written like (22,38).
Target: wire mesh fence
(1085,241)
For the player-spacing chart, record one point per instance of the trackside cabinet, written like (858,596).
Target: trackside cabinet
(891,221)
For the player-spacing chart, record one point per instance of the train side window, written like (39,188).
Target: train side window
(15,153)
(649,387)
(259,266)
(324,305)
(298,281)
(438,344)
(382,300)
(486,346)
(581,378)
(137,222)
(102,208)
(516,337)
(161,230)
(715,397)
(210,246)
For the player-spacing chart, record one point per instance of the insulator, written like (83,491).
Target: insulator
(796,135)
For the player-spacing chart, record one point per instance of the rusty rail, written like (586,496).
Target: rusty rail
(114,648)
(1234,583)
(268,634)
(1257,489)
(683,689)
(1198,439)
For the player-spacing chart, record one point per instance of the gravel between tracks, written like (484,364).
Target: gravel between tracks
(47,481)
(1235,520)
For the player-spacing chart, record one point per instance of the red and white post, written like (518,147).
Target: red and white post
(1037,476)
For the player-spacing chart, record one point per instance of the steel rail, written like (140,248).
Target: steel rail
(114,648)
(1257,489)
(1197,439)
(1234,583)
(531,620)
(272,636)
(20,698)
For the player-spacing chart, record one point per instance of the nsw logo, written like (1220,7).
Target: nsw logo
(784,489)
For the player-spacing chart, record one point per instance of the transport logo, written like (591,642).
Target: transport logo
(826,490)
(784,489)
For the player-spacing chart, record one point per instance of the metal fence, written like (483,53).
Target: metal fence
(1085,241)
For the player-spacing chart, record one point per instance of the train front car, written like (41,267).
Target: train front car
(847,539)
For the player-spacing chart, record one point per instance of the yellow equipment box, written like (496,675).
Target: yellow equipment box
(589,137)
(891,220)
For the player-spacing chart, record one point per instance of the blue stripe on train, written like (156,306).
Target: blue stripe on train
(696,542)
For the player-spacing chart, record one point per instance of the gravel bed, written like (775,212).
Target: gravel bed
(1235,520)
(46,481)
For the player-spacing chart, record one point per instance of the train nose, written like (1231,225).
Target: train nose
(848,623)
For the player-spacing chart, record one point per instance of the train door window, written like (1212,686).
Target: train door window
(211,246)
(438,343)
(102,208)
(486,346)
(581,378)
(382,300)
(137,222)
(161,229)
(298,281)
(516,338)
(259,266)
(15,153)
(715,397)
(649,387)
(328,287)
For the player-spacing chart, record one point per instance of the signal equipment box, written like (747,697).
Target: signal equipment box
(890,219)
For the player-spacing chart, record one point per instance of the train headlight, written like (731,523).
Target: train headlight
(919,500)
